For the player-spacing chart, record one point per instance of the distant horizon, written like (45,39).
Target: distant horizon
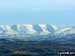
(46,24)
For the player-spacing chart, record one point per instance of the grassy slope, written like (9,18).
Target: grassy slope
(16,46)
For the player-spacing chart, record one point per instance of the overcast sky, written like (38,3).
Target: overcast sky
(58,12)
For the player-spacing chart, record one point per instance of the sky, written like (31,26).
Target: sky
(58,12)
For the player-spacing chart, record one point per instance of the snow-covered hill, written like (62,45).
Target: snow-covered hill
(35,29)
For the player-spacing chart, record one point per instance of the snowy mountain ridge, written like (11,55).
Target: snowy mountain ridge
(35,29)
